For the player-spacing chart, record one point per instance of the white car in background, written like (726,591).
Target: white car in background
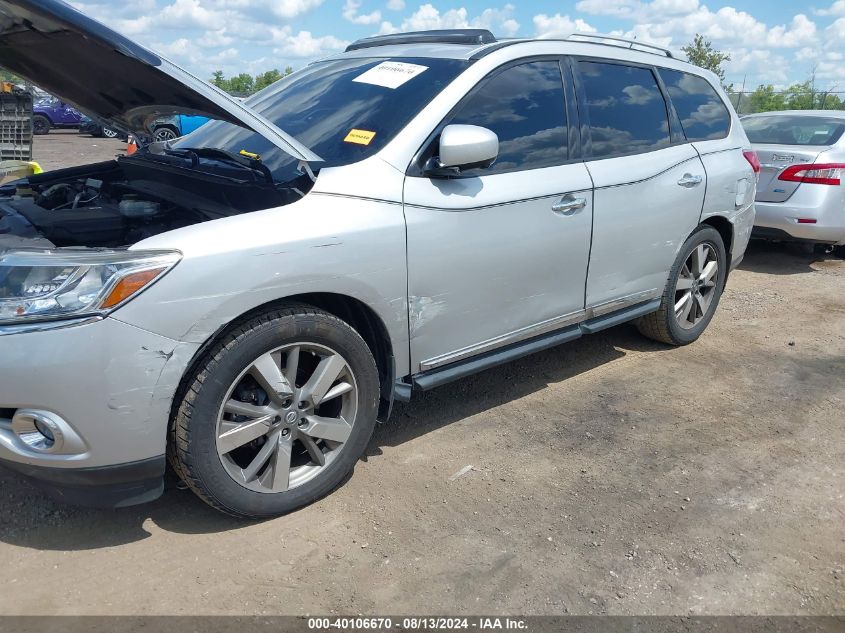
(800,196)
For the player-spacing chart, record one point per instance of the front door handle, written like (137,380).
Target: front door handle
(689,181)
(569,205)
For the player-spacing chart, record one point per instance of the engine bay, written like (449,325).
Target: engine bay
(119,203)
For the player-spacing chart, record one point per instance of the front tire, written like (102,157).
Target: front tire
(692,292)
(277,413)
(40,124)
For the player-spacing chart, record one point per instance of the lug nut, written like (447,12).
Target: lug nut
(303,423)
(285,432)
(303,405)
(278,418)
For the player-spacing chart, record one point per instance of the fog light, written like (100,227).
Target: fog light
(42,428)
(41,431)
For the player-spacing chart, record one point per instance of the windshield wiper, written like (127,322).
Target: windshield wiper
(254,164)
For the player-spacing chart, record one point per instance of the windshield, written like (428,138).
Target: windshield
(344,110)
(793,130)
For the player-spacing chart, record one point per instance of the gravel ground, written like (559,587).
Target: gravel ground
(612,475)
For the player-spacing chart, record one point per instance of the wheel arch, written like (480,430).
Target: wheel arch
(351,310)
(725,228)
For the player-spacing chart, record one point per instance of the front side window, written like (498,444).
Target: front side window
(525,106)
(703,115)
(344,110)
(626,109)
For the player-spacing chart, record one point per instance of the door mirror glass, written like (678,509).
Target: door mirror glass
(463,147)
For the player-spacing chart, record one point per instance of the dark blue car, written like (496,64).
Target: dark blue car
(49,113)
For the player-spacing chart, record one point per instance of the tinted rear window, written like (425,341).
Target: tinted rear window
(793,130)
(626,109)
(703,115)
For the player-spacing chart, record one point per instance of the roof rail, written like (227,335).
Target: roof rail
(444,36)
(621,42)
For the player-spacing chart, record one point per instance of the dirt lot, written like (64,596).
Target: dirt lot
(611,475)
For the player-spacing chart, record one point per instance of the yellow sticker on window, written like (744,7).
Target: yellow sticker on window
(359,137)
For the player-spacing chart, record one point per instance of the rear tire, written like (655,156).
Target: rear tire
(40,124)
(692,292)
(262,429)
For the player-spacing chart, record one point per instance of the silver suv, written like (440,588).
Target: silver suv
(249,300)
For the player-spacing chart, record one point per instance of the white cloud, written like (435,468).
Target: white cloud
(837,8)
(350,13)
(558,25)
(215,39)
(396,5)
(190,13)
(427,17)
(303,44)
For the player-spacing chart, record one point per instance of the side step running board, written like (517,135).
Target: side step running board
(442,375)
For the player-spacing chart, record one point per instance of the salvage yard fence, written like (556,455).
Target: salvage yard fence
(750,102)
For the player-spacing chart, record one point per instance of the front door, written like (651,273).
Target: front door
(500,254)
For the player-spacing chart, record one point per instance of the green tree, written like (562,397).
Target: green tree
(701,53)
(219,80)
(801,96)
(245,84)
(828,101)
(765,99)
(265,79)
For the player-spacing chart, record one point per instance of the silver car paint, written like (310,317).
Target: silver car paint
(467,145)
(113,384)
(823,203)
(492,246)
(469,279)
(642,216)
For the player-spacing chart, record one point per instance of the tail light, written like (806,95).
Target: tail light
(819,174)
(753,160)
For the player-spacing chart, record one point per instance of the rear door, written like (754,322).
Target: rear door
(649,182)
(493,257)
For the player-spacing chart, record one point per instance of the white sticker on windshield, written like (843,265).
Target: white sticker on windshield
(390,74)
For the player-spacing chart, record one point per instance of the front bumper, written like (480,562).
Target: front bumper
(102,487)
(104,389)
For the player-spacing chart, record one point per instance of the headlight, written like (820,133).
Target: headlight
(41,285)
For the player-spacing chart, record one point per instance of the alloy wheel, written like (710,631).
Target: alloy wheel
(164,134)
(696,285)
(286,417)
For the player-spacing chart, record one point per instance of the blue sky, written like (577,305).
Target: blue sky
(774,41)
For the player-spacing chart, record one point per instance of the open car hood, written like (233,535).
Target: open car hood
(54,46)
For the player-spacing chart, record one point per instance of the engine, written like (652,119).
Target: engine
(85,212)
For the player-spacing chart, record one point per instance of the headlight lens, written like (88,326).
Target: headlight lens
(40,285)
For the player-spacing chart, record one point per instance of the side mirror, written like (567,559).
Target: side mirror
(463,147)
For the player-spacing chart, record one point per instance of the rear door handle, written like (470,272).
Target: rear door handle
(569,205)
(689,181)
